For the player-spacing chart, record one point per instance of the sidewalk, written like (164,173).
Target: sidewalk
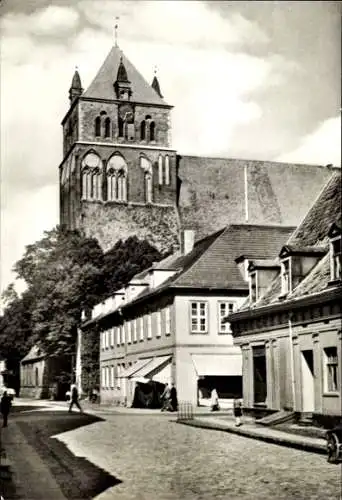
(252,430)
(30,476)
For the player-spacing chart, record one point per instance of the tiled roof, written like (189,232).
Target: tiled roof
(102,85)
(34,353)
(211,264)
(311,233)
(216,186)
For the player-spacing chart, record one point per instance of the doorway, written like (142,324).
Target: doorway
(259,375)
(308,381)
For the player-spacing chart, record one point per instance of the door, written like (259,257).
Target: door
(259,375)
(307,385)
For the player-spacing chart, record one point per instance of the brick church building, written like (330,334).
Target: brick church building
(120,175)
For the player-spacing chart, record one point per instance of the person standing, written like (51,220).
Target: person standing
(165,397)
(237,412)
(214,401)
(74,399)
(5,406)
(173,397)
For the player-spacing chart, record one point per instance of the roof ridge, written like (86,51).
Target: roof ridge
(333,168)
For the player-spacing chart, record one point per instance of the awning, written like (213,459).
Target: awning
(134,368)
(217,364)
(153,367)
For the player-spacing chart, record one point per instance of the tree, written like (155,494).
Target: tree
(61,271)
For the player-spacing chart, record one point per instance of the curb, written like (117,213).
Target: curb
(286,441)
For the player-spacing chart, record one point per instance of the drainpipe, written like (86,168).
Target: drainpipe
(293,385)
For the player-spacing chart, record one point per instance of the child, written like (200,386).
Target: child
(237,412)
(214,401)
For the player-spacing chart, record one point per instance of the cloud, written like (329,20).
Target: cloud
(52,21)
(322,146)
(173,22)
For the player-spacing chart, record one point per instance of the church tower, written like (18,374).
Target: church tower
(118,177)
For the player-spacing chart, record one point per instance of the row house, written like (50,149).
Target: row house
(289,330)
(167,324)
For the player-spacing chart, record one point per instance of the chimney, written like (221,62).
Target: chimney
(187,240)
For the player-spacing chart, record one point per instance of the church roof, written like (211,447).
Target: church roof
(102,85)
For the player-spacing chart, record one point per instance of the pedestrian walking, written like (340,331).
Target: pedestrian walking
(237,412)
(214,401)
(5,406)
(173,398)
(74,400)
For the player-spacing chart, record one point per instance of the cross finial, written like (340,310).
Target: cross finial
(155,70)
(116,27)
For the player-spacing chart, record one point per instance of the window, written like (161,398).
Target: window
(167,321)
(225,308)
(103,340)
(117,334)
(121,124)
(143,130)
(134,325)
(112,380)
(285,276)
(158,327)
(141,328)
(103,371)
(97,126)
(199,317)
(336,258)
(112,337)
(107,127)
(122,187)
(122,335)
(129,332)
(330,370)
(91,177)
(148,187)
(167,170)
(253,287)
(152,131)
(119,371)
(36,377)
(116,178)
(149,326)
(160,170)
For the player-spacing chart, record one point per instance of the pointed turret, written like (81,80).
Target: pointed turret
(76,87)
(155,85)
(122,85)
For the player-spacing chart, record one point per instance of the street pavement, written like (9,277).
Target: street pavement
(152,457)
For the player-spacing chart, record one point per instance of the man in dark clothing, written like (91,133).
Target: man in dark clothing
(74,399)
(5,406)
(173,397)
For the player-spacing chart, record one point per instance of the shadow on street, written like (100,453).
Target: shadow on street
(77,477)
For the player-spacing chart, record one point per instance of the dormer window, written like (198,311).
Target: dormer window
(286,276)
(335,253)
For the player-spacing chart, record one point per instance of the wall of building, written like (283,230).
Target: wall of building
(316,337)
(32,379)
(213,334)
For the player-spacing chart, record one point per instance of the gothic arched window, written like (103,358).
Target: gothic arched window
(167,170)
(143,130)
(152,131)
(91,177)
(107,127)
(160,170)
(148,187)
(97,126)
(146,165)
(116,178)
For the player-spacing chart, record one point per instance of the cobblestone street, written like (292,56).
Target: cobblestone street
(157,459)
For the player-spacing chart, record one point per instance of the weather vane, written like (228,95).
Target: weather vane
(116,27)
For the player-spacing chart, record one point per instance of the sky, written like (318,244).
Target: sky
(254,80)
